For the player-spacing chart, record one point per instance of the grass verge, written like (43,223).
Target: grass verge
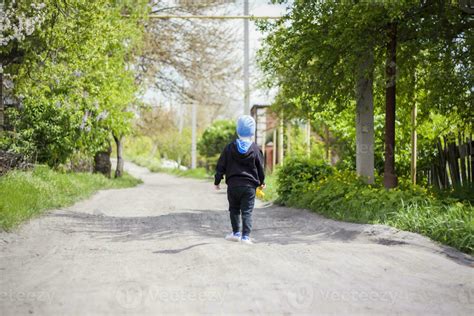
(271,188)
(26,194)
(341,195)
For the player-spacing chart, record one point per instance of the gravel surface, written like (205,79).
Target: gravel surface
(159,248)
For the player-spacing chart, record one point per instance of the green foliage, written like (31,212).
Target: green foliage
(157,127)
(198,173)
(177,146)
(154,165)
(342,195)
(216,137)
(73,81)
(172,145)
(313,55)
(140,146)
(296,174)
(140,150)
(347,197)
(26,194)
(270,191)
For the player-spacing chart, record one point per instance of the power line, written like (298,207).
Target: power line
(214,17)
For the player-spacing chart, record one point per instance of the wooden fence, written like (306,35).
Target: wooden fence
(9,161)
(453,164)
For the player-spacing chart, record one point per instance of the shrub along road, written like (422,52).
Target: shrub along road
(159,248)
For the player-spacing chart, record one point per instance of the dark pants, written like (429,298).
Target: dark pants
(241,202)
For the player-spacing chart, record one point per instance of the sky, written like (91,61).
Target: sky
(257,8)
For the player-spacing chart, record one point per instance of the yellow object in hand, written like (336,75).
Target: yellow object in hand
(260,193)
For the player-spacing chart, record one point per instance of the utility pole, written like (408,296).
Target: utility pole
(181,118)
(274,152)
(280,141)
(246,60)
(193,137)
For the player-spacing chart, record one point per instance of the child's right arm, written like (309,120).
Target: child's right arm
(220,168)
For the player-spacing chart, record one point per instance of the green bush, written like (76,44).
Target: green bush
(296,174)
(140,146)
(216,137)
(345,196)
(342,195)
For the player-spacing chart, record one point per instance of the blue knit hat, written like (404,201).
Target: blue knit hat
(245,126)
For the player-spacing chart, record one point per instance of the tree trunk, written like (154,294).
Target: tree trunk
(365,119)
(2,106)
(288,139)
(326,143)
(389,177)
(308,137)
(413,144)
(414,136)
(119,145)
(102,162)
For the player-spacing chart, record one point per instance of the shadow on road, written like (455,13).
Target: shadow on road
(175,251)
(272,225)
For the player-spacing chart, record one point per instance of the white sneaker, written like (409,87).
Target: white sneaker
(233,237)
(246,240)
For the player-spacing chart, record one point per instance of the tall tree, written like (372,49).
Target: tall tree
(315,54)
(74,83)
(300,59)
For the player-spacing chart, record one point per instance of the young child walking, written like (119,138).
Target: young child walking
(241,163)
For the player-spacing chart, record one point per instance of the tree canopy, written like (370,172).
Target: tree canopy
(72,79)
(313,56)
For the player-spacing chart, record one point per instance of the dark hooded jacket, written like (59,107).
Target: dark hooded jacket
(240,169)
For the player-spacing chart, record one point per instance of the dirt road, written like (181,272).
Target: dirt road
(159,249)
